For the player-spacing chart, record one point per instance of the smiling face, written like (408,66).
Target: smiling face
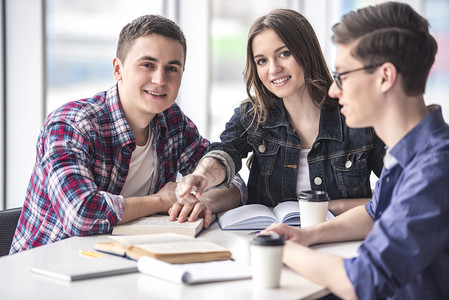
(276,66)
(150,77)
(360,95)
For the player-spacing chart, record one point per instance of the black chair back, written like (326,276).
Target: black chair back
(8,224)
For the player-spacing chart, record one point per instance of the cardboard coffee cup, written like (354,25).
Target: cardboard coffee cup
(313,206)
(266,260)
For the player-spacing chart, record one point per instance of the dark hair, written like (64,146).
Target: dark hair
(146,25)
(300,38)
(391,32)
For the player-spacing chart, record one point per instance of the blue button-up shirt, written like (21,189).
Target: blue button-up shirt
(406,255)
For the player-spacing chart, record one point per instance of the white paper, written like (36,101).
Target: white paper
(194,272)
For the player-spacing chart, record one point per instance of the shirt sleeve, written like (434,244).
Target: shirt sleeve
(81,208)
(234,141)
(192,147)
(410,234)
(195,148)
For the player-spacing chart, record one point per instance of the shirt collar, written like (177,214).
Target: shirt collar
(119,125)
(389,160)
(415,139)
(331,126)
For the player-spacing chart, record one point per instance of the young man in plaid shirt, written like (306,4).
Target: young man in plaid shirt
(114,157)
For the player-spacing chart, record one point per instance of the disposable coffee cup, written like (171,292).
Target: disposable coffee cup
(313,206)
(266,260)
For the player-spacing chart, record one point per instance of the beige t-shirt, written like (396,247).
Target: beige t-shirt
(141,169)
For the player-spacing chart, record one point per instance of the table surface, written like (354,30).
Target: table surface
(18,282)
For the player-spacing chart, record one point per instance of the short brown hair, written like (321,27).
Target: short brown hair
(146,25)
(391,32)
(300,38)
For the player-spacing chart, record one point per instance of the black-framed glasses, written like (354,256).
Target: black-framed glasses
(337,76)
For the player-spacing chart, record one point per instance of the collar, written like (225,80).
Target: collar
(416,139)
(331,126)
(389,160)
(119,126)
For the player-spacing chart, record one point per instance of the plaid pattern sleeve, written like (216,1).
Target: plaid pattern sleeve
(83,154)
(180,147)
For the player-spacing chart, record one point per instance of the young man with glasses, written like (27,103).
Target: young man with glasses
(385,53)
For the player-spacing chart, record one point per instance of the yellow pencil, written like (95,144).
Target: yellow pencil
(91,253)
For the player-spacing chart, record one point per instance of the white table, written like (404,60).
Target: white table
(17,282)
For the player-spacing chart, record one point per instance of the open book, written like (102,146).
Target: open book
(159,224)
(169,247)
(258,216)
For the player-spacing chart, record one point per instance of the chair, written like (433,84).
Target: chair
(8,224)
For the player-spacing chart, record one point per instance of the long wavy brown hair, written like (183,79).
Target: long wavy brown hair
(300,38)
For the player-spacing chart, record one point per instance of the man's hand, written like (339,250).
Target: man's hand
(190,211)
(191,185)
(167,195)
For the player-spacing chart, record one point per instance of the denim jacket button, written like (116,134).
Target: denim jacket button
(318,181)
(261,148)
(317,145)
(348,164)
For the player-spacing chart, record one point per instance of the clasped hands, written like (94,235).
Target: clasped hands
(191,200)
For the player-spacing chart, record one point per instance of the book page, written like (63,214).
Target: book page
(182,247)
(250,217)
(157,224)
(162,220)
(287,212)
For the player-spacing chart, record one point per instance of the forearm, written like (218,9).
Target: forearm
(354,224)
(137,207)
(324,269)
(212,169)
(222,199)
(339,206)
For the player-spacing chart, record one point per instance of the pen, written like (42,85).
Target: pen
(91,253)
(254,232)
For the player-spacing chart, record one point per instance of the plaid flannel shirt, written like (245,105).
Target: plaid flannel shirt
(83,154)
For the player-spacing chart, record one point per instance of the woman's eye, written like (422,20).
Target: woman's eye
(261,61)
(285,53)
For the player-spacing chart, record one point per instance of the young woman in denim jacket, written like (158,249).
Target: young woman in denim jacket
(295,131)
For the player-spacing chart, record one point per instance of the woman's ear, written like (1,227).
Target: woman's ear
(117,68)
(389,75)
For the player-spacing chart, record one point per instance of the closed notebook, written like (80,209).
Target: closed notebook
(159,224)
(169,247)
(85,267)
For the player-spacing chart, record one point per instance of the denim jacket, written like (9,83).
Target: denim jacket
(340,161)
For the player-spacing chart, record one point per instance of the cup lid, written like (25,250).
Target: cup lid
(268,240)
(313,196)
